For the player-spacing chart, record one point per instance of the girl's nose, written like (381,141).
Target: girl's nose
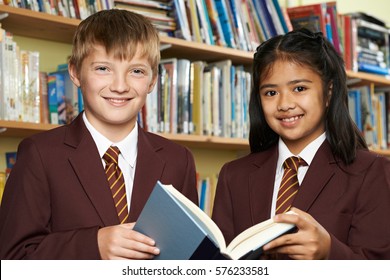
(285,101)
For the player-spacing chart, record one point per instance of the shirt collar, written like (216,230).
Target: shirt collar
(127,146)
(307,153)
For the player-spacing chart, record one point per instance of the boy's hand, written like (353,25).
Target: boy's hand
(122,242)
(311,241)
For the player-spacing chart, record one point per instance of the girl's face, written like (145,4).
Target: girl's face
(293,103)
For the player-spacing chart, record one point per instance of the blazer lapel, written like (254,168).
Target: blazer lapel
(88,167)
(149,169)
(261,185)
(318,175)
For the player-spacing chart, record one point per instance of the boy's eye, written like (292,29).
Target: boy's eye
(138,71)
(101,68)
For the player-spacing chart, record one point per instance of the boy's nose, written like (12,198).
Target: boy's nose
(119,84)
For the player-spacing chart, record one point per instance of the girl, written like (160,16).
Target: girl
(298,108)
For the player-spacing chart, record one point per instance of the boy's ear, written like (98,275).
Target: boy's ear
(152,83)
(73,75)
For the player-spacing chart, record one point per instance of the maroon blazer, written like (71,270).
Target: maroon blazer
(57,195)
(351,202)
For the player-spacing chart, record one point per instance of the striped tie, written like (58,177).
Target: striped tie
(289,185)
(116,182)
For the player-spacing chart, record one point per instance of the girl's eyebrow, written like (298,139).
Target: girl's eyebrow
(293,82)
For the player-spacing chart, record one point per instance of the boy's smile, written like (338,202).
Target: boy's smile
(293,103)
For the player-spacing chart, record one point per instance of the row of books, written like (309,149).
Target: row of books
(362,40)
(199,98)
(29,95)
(195,97)
(366,43)
(79,9)
(19,81)
(207,185)
(370,109)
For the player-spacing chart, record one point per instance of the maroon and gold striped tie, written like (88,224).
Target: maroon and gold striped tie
(116,182)
(289,185)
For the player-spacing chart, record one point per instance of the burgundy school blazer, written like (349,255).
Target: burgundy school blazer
(351,202)
(57,195)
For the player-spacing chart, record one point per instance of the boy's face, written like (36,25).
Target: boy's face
(114,90)
(293,103)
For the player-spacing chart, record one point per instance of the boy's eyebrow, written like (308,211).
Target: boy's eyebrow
(293,82)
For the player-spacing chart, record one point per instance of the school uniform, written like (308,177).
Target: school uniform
(57,196)
(352,202)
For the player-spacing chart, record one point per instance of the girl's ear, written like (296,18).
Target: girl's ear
(74,75)
(329,95)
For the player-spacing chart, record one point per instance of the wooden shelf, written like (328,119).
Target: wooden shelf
(361,78)
(24,129)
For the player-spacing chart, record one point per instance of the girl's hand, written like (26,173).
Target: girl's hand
(310,242)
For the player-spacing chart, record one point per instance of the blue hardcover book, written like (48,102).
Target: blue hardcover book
(183,231)
(354,107)
(225,22)
(375,69)
(280,14)
(266,17)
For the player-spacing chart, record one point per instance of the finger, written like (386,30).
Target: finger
(283,240)
(139,237)
(142,247)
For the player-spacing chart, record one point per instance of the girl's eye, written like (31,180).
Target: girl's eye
(270,93)
(299,89)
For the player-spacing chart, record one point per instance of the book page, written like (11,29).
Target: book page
(256,236)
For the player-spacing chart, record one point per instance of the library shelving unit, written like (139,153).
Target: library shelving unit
(38,25)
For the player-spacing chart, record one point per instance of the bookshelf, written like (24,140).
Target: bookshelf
(23,22)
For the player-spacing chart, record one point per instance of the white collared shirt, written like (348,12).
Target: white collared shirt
(307,154)
(127,158)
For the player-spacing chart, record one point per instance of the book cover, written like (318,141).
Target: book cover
(170,94)
(215,21)
(52,98)
(226,23)
(183,29)
(311,17)
(183,95)
(183,231)
(354,107)
(196,96)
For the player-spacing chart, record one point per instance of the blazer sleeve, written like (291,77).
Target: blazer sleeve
(25,216)
(369,234)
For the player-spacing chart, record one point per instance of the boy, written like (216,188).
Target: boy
(57,202)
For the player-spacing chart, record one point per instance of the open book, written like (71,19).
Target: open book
(183,231)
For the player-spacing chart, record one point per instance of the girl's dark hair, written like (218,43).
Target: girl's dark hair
(312,50)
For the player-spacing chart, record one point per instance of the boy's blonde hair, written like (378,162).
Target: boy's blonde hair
(119,31)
